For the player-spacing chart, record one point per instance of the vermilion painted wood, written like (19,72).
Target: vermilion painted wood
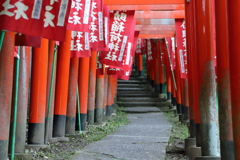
(141,2)
(224,95)
(63,66)
(160,14)
(6,79)
(206,80)
(39,83)
(155,27)
(148,7)
(83,81)
(234,57)
(155,36)
(158,32)
(140,21)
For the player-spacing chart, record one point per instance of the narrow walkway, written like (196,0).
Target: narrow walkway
(144,138)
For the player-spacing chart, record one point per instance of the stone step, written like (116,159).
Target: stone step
(141,109)
(132,81)
(139,99)
(153,95)
(133,85)
(138,104)
(137,78)
(136,92)
(134,89)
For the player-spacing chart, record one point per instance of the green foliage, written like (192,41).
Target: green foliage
(97,132)
(179,131)
(79,140)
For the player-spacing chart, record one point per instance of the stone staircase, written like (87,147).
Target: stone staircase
(137,93)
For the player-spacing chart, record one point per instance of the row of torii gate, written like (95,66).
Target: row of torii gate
(203,17)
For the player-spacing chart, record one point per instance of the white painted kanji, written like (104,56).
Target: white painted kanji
(93,38)
(75,19)
(77,5)
(79,45)
(53,1)
(116,37)
(48,17)
(93,27)
(79,35)
(183,25)
(6,6)
(20,11)
(108,56)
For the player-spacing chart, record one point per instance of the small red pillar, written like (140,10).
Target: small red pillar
(63,65)
(83,80)
(161,46)
(92,87)
(72,98)
(178,83)
(140,67)
(233,15)
(24,75)
(50,63)
(99,98)
(109,107)
(206,79)
(6,80)
(223,76)
(38,94)
(106,83)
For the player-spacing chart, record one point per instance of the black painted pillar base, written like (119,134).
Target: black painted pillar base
(161,93)
(192,128)
(3,149)
(98,115)
(59,122)
(198,134)
(169,96)
(90,117)
(36,133)
(70,125)
(104,118)
(83,119)
(174,101)
(140,73)
(109,110)
(157,88)
(148,80)
(152,83)
(227,150)
(207,158)
(20,140)
(161,88)
(179,108)
(186,113)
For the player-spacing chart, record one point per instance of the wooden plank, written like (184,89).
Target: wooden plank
(141,2)
(160,14)
(149,7)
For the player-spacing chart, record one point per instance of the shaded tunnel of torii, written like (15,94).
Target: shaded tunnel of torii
(208,100)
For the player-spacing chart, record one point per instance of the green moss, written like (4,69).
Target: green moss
(179,131)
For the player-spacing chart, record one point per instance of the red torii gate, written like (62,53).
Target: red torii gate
(153,21)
